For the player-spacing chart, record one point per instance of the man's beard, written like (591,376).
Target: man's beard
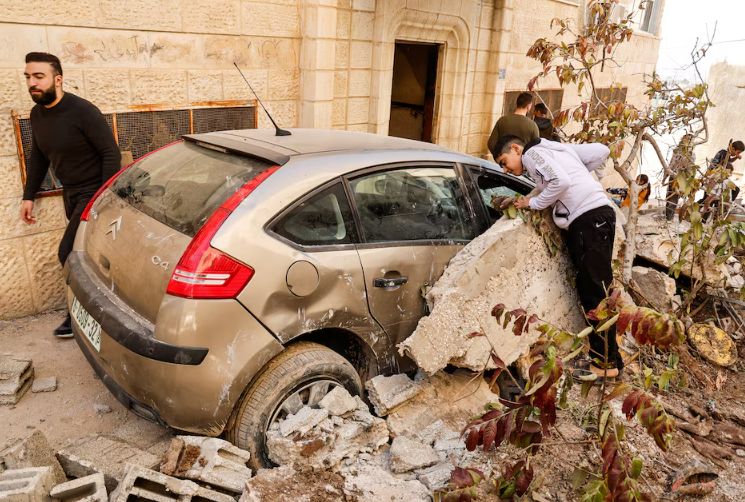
(46,97)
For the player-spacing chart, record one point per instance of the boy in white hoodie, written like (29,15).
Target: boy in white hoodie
(562,172)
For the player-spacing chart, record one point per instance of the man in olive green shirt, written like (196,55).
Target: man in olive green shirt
(517,124)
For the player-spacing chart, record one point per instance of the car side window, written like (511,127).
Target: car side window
(492,185)
(411,204)
(323,219)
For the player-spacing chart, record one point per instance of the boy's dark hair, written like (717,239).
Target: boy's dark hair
(739,146)
(524,100)
(45,57)
(504,143)
(541,108)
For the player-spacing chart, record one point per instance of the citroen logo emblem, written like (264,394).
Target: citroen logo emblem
(114,227)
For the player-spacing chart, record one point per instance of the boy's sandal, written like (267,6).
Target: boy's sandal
(583,374)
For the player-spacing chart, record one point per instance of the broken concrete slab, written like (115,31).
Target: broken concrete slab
(437,476)
(339,401)
(109,456)
(26,485)
(326,445)
(386,393)
(409,455)
(16,377)
(509,264)
(287,484)
(140,483)
(657,288)
(48,384)
(33,451)
(303,421)
(88,489)
(218,463)
(369,483)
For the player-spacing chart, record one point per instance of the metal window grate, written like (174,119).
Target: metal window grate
(141,132)
(552,98)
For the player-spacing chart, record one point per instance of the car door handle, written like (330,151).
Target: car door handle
(390,283)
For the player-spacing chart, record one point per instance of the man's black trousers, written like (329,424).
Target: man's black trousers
(75,201)
(590,242)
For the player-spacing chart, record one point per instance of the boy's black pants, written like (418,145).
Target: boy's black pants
(590,242)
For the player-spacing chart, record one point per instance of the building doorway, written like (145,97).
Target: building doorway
(413,92)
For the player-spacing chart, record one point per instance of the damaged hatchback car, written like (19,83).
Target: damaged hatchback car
(229,279)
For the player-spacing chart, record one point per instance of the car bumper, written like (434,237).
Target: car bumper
(188,370)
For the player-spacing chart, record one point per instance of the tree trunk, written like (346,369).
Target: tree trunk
(630,250)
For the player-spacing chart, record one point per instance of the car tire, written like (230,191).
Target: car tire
(297,365)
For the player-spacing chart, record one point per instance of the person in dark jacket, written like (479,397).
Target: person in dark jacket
(70,135)
(545,126)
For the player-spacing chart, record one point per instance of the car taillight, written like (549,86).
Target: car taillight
(87,211)
(205,273)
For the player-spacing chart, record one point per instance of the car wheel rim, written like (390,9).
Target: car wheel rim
(309,394)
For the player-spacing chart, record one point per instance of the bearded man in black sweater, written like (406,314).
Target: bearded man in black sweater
(70,135)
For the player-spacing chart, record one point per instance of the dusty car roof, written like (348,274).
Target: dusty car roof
(312,141)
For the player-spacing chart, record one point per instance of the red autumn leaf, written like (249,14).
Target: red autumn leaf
(531,427)
(475,334)
(523,479)
(488,433)
(629,404)
(498,362)
(473,440)
(517,329)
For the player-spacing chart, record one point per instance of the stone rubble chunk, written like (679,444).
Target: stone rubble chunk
(16,378)
(48,384)
(102,408)
(339,401)
(303,421)
(436,476)
(369,483)
(33,451)
(26,485)
(286,484)
(736,282)
(88,489)
(658,288)
(386,393)
(219,463)
(170,461)
(108,456)
(509,264)
(140,483)
(408,455)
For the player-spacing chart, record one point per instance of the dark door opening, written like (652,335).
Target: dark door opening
(413,92)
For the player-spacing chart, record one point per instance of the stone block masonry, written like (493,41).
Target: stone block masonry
(33,451)
(99,454)
(16,378)
(143,484)
(88,489)
(26,485)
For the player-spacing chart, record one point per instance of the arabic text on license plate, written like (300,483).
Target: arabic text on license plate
(90,328)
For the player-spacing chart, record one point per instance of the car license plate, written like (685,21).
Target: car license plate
(90,328)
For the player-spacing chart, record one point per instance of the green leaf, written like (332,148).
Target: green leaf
(579,476)
(603,421)
(607,324)
(585,332)
(673,360)
(664,380)
(636,467)
(512,212)
(572,355)
(586,386)
(539,384)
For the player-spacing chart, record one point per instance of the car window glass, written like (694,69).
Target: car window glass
(492,185)
(411,204)
(323,219)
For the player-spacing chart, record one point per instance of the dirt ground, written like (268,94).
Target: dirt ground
(68,413)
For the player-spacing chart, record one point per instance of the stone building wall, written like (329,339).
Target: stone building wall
(316,63)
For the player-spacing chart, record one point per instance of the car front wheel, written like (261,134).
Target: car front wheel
(299,376)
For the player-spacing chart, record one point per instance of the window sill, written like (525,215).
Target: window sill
(573,3)
(645,34)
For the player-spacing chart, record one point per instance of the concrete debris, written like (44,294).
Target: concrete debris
(26,485)
(736,282)
(339,401)
(437,476)
(34,451)
(217,462)
(657,288)
(88,489)
(695,477)
(386,393)
(369,483)
(48,384)
(109,456)
(303,421)
(330,442)
(409,455)
(16,378)
(101,408)
(509,264)
(286,484)
(140,483)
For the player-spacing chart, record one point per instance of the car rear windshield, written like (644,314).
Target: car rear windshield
(182,185)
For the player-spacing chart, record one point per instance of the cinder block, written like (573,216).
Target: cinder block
(34,451)
(26,485)
(109,456)
(219,463)
(88,489)
(16,377)
(144,484)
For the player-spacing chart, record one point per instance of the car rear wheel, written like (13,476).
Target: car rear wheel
(299,376)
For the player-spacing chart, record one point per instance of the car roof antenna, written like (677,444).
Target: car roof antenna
(280,132)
